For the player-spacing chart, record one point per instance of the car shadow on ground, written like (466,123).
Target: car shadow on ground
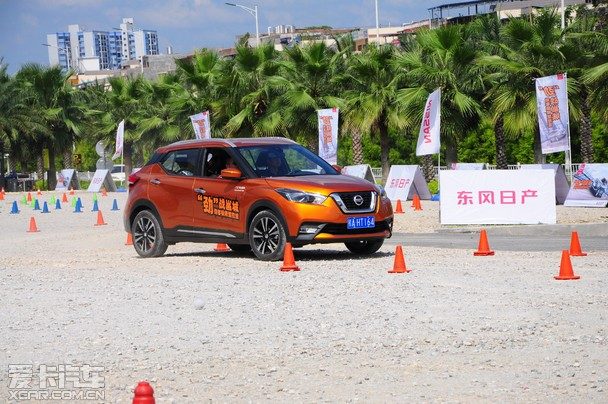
(299,255)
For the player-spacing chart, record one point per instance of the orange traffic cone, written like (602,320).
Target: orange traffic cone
(399,263)
(71,191)
(484,248)
(129,239)
(64,198)
(289,263)
(29,197)
(398,208)
(100,221)
(565,268)
(2,195)
(39,192)
(575,246)
(416,203)
(33,228)
(104,192)
(143,394)
(221,247)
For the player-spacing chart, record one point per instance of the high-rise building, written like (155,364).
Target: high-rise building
(100,50)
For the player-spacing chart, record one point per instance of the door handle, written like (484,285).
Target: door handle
(200,191)
(155,181)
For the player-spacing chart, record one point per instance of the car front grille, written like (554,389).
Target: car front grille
(347,201)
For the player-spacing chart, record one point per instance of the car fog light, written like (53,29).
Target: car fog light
(309,229)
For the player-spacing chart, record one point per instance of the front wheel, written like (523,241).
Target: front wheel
(148,237)
(364,247)
(267,236)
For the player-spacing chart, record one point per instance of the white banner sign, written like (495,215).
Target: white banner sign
(328,134)
(360,171)
(404,182)
(561,182)
(589,186)
(65,179)
(102,178)
(552,108)
(201,125)
(497,197)
(428,138)
(120,139)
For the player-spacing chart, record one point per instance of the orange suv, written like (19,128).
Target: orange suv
(254,194)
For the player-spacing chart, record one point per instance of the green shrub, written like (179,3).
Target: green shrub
(40,184)
(434,186)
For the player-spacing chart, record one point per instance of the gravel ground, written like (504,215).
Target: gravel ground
(201,325)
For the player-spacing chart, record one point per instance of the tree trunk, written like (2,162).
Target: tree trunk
(67,158)
(40,165)
(586,142)
(539,157)
(385,147)
(428,167)
(313,144)
(52,173)
(357,146)
(501,145)
(128,157)
(2,170)
(451,154)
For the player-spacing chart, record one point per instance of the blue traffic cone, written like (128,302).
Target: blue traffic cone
(115,205)
(78,206)
(15,208)
(45,208)
(95,207)
(36,204)
(57,204)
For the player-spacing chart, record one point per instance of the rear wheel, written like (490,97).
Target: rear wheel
(240,248)
(267,236)
(364,247)
(148,237)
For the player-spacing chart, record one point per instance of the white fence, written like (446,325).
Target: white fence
(377,171)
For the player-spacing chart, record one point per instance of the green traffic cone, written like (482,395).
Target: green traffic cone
(73,201)
(94,196)
(24,200)
(52,199)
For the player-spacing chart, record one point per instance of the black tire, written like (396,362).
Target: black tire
(240,248)
(364,247)
(267,236)
(148,237)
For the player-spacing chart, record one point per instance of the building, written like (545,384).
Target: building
(83,50)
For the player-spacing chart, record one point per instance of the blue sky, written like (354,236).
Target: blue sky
(184,24)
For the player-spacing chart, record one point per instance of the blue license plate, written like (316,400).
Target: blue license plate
(366,222)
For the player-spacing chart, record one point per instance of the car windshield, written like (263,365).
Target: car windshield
(285,160)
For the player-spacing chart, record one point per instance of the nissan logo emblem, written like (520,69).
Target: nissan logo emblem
(358,199)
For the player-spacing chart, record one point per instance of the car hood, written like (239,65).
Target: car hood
(322,184)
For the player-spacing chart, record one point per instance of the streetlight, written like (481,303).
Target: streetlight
(66,50)
(377,25)
(254,12)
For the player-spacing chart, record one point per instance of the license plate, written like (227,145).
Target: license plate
(366,222)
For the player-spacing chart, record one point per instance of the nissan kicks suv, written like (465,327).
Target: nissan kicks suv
(254,194)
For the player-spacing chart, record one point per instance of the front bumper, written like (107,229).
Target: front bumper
(335,232)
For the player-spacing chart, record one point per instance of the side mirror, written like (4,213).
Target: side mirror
(337,168)
(231,174)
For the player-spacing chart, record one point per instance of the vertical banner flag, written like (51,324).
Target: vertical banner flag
(120,139)
(428,138)
(553,117)
(201,125)
(328,134)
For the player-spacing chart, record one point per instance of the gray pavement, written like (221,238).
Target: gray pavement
(593,237)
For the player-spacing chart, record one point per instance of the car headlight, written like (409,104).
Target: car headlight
(381,191)
(301,197)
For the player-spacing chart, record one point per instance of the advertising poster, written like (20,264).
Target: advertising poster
(589,186)
(328,134)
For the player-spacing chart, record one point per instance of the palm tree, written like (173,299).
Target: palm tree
(246,91)
(53,101)
(443,58)
(308,76)
(531,50)
(122,101)
(371,102)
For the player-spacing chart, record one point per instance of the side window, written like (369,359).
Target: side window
(181,162)
(216,159)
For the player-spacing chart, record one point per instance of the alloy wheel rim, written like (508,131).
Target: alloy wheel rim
(266,236)
(144,235)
